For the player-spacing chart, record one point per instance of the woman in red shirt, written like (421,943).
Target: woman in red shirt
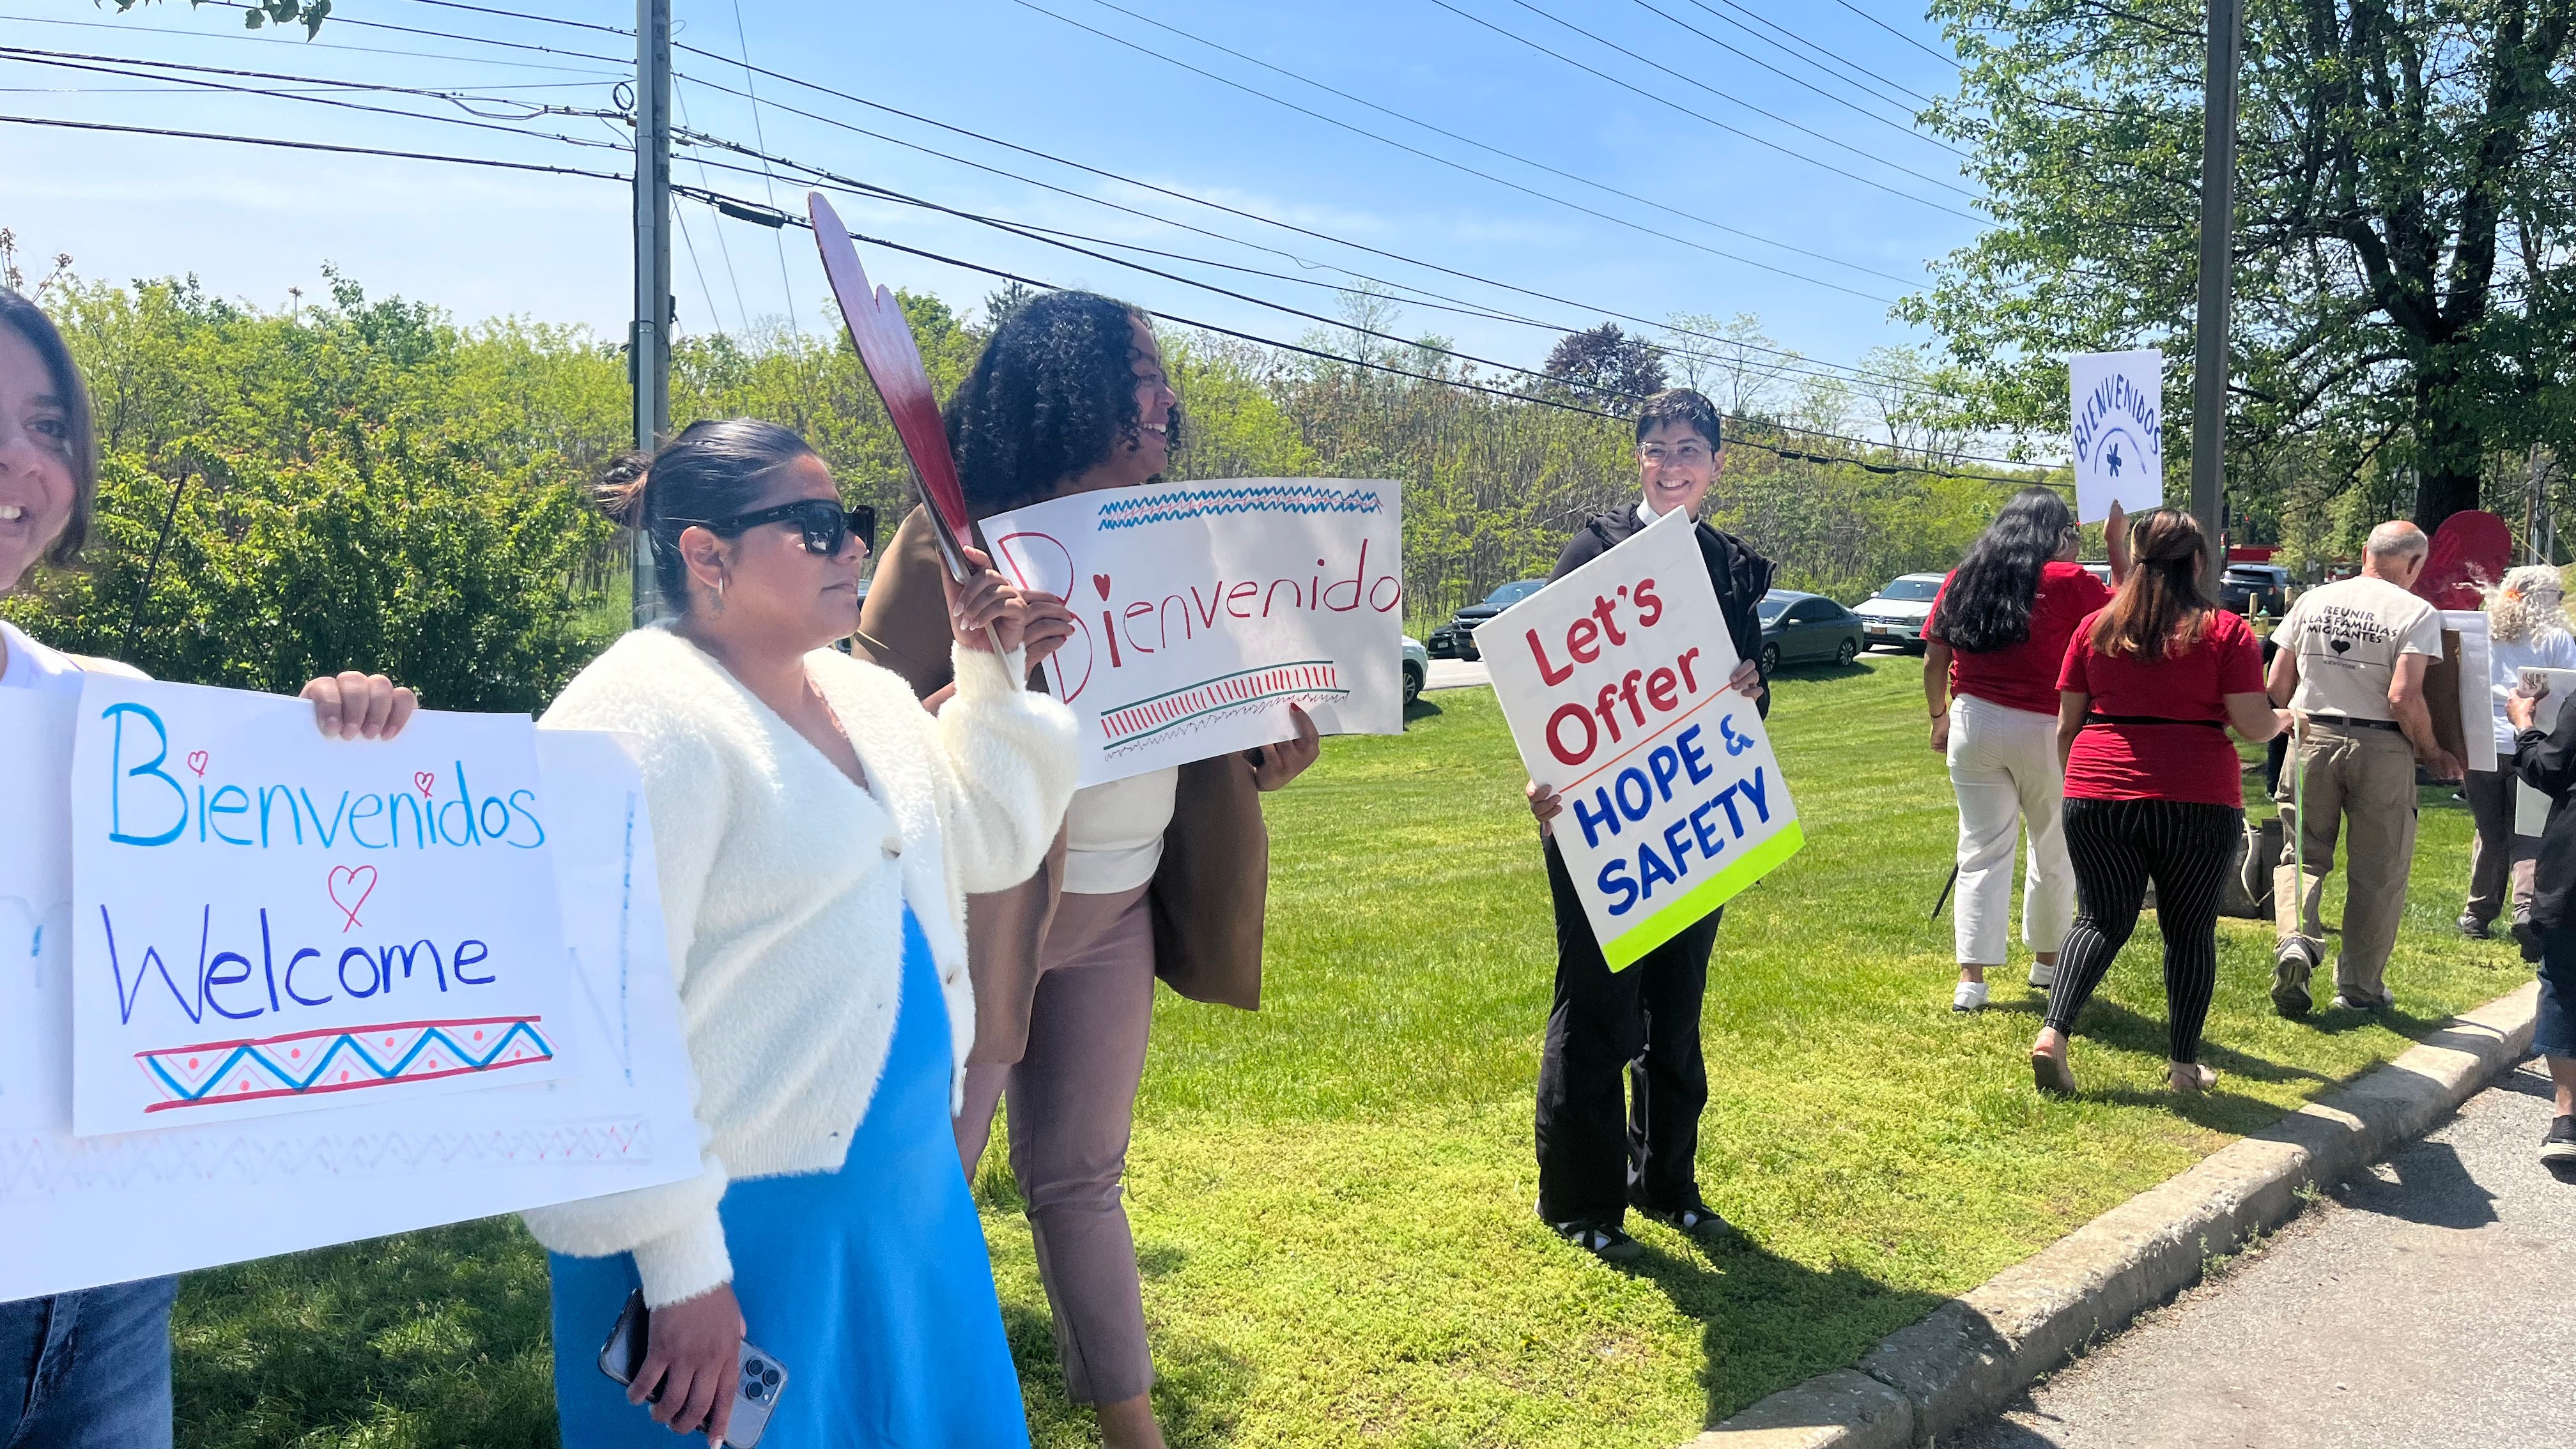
(2154,791)
(1995,636)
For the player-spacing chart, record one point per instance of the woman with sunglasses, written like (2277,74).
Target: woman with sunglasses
(1991,649)
(1158,875)
(816,833)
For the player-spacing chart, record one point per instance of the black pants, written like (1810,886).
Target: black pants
(2117,847)
(1598,1151)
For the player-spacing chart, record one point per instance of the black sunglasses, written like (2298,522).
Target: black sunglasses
(825,524)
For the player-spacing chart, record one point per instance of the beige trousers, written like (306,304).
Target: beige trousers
(2361,783)
(1073,1095)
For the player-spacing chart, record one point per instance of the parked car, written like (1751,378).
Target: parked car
(2255,588)
(1806,629)
(1417,668)
(1895,614)
(1457,638)
(2100,571)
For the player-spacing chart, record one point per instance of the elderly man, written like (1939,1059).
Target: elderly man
(2351,668)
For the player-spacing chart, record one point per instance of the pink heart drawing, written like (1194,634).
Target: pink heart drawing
(197,762)
(425,781)
(350,876)
(1101,582)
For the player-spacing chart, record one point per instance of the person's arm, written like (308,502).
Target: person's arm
(2545,762)
(1936,692)
(2283,680)
(2115,542)
(2253,716)
(2406,702)
(2071,705)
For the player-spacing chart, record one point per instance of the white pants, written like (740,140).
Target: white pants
(2003,763)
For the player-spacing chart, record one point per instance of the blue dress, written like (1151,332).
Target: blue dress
(872,1284)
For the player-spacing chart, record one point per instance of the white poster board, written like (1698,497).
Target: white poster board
(265,920)
(84,1211)
(2530,807)
(2116,419)
(2477,687)
(1204,610)
(1613,679)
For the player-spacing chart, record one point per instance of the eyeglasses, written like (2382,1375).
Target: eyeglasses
(1683,454)
(825,524)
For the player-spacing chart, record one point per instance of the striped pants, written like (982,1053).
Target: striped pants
(2118,846)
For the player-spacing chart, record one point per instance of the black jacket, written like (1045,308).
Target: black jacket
(2547,763)
(1740,575)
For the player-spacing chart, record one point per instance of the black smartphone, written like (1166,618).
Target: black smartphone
(755,1390)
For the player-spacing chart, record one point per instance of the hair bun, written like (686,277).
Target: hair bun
(619,493)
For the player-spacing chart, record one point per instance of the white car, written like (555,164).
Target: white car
(1895,614)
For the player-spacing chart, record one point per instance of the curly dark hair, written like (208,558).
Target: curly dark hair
(1987,605)
(1053,394)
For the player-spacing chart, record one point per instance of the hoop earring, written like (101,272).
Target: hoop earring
(720,599)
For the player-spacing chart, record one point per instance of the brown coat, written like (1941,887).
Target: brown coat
(1207,897)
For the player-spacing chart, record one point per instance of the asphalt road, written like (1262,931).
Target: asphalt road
(2431,1306)
(1456,674)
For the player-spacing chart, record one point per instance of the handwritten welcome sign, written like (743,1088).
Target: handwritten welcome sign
(1204,610)
(2116,421)
(1613,679)
(265,920)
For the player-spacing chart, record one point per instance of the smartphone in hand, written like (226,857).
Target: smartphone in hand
(755,1391)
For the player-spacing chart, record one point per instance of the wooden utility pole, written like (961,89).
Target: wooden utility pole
(648,350)
(2217,259)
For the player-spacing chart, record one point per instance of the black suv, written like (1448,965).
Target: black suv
(1457,638)
(2255,588)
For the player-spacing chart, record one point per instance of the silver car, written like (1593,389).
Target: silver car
(1895,614)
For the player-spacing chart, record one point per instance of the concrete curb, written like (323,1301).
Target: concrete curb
(1970,1356)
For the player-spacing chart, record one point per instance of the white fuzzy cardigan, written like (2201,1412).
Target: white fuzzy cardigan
(783,886)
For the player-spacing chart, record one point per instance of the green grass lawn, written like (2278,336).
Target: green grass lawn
(1332,1197)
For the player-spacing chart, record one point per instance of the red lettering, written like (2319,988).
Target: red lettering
(1553,674)
(1557,746)
(1659,689)
(1650,608)
(1582,640)
(1241,590)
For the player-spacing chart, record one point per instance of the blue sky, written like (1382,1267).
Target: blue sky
(252,223)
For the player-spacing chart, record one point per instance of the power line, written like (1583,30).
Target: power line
(1804,43)
(32,55)
(1951,61)
(1901,127)
(754,212)
(483,161)
(1704,118)
(1440,160)
(1184,196)
(236,36)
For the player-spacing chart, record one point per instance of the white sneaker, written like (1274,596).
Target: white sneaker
(1971,996)
(2043,975)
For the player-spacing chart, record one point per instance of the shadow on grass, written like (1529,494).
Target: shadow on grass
(1198,1390)
(1766,1321)
(1421,708)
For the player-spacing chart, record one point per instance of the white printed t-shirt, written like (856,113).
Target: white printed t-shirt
(2349,637)
(33,666)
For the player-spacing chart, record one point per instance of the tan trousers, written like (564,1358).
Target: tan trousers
(1073,1096)
(2361,782)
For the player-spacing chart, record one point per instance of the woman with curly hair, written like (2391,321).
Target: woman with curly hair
(2526,629)
(1162,874)
(1991,647)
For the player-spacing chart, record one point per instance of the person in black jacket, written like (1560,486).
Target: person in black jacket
(1599,1155)
(2547,763)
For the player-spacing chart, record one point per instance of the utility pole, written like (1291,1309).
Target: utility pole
(2217,259)
(648,351)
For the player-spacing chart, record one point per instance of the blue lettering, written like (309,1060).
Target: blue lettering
(151,962)
(1614,880)
(369,807)
(327,832)
(291,963)
(268,793)
(419,831)
(1709,843)
(1592,821)
(217,976)
(1667,767)
(1694,759)
(118,774)
(1651,867)
(1677,847)
(525,812)
(464,800)
(267,959)
(363,959)
(472,953)
(218,807)
(1645,793)
(385,962)
(1753,791)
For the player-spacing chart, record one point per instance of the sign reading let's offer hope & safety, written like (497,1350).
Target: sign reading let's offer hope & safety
(1614,680)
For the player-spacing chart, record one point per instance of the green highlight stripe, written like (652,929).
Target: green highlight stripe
(1707,896)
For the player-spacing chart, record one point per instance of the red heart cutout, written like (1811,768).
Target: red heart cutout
(425,781)
(1101,582)
(197,762)
(348,875)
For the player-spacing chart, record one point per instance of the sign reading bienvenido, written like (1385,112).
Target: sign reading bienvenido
(2116,421)
(1613,679)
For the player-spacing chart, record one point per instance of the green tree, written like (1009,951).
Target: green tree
(2402,237)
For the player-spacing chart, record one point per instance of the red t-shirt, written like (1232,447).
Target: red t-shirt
(2162,761)
(2024,676)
